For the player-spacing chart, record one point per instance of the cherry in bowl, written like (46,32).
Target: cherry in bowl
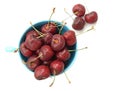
(32,37)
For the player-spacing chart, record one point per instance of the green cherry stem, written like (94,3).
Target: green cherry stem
(53,79)
(51,17)
(77,49)
(36,29)
(92,28)
(63,24)
(68,14)
(67,77)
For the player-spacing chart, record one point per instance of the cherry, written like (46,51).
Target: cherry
(47,38)
(63,55)
(46,53)
(58,42)
(79,10)
(91,17)
(70,38)
(42,72)
(56,67)
(25,51)
(78,23)
(32,42)
(33,62)
(49,28)
(32,32)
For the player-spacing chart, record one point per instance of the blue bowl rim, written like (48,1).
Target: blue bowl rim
(44,22)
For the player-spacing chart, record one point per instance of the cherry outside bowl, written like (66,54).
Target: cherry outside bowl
(38,26)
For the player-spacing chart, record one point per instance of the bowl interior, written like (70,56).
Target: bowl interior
(38,26)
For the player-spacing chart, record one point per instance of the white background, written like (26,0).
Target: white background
(94,69)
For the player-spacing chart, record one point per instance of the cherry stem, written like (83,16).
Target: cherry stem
(15,51)
(63,24)
(68,13)
(36,29)
(40,54)
(67,78)
(41,36)
(51,17)
(77,49)
(92,28)
(70,16)
(53,79)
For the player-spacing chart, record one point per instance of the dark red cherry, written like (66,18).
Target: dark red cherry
(56,67)
(91,17)
(47,38)
(42,72)
(46,53)
(49,28)
(32,32)
(32,42)
(78,23)
(25,51)
(58,42)
(33,62)
(79,10)
(70,37)
(63,55)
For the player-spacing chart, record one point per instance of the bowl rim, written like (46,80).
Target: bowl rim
(72,60)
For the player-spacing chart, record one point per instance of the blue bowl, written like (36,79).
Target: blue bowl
(38,26)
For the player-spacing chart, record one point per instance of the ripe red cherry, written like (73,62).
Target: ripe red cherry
(70,38)
(32,42)
(91,17)
(25,51)
(46,53)
(79,10)
(33,62)
(63,55)
(58,42)
(47,38)
(49,28)
(56,67)
(32,32)
(42,72)
(78,23)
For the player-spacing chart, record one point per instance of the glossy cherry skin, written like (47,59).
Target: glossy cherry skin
(79,10)
(70,37)
(91,17)
(32,32)
(46,53)
(63,55)
(57,67)
(33,62)
(25,51)
(49,28)
(47,38)
(78,23)
(58,42)
(32,42)
(42,72)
